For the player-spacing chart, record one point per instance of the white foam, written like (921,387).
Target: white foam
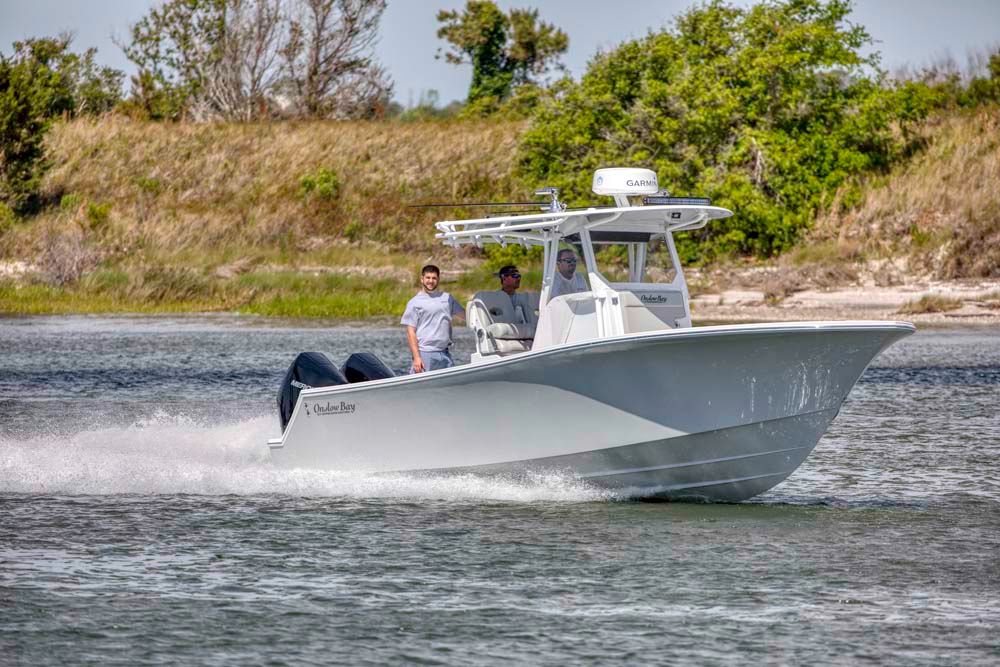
(170,455)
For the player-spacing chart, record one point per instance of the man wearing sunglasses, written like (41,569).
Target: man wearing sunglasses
(510,282)
(566,280)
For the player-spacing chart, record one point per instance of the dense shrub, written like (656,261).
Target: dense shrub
(766,109)
(41,80)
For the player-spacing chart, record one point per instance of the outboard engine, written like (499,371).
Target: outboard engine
(365,366)
(310,369)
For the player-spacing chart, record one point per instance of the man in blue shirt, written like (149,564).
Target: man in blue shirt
(428,323)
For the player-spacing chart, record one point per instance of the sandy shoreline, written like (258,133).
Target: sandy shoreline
(980,304)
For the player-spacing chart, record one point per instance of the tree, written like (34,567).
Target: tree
(95,90)
(330,67)
(206,58)
(766,109)
(505,51)
(235,59)
(41,80)
(246,64)
(174,48)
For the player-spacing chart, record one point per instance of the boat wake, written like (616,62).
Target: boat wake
(170,454)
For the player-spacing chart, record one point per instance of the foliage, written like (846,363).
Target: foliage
(97,214)
(96,90)
(323,184)
(945,86)
(249,59)
(40,80)
(930,303)
(982,89)
(498,256)
(32,91)
(765,109)
(174,48)
(7,218)
(328,59)
(426,108)
(935,214)
(505,51)
(70,202)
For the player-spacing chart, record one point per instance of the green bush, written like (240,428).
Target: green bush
(323,185)
(498,256)
(70,202)
(32,91)
(98,214)
(149,185)
(7,218)
(41,80)
(767,110)
(354,231)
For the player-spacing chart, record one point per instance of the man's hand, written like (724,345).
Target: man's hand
(411,340)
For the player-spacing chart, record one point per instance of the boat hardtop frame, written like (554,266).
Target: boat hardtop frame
(609,308)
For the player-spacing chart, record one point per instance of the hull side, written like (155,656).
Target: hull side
(721,413)
(729,464)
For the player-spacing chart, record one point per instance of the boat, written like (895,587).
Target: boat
(612,386)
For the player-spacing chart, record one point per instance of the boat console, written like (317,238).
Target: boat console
(641,300)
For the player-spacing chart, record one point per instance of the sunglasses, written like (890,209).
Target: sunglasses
(516,276)
(568,261)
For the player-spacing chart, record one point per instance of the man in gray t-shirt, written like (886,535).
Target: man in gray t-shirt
(428,323)
(566,280)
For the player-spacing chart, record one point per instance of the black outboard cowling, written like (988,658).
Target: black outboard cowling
(310,369)
(365,366)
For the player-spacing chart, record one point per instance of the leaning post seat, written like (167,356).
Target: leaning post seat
(499,328)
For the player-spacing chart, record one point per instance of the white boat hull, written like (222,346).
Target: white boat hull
(717,413)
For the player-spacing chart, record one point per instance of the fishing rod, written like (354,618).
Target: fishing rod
(507,203)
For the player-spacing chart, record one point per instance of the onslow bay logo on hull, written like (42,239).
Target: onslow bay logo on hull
(657,299)
(328,408)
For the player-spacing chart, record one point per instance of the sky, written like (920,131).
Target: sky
(908,32)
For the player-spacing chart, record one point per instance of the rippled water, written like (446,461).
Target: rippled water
(140,523)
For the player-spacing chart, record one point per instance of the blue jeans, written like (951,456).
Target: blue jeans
(435,360)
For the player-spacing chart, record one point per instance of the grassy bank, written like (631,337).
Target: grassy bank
(292,219)
(936,216)
(312,219)
(308,292)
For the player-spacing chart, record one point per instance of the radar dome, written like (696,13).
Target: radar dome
(625,181)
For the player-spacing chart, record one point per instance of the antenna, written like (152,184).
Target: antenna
(555,206)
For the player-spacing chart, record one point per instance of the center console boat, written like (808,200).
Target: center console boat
(612,385)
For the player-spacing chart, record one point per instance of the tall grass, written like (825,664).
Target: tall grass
(161,217)
(941,210)
(274,291)
(208,192)
(930,303)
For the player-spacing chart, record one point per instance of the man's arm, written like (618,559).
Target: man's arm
(457,309)
(411,338)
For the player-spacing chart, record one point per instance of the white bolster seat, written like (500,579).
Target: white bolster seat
(501,327)
(508,331)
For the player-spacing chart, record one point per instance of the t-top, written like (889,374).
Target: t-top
(430,314)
